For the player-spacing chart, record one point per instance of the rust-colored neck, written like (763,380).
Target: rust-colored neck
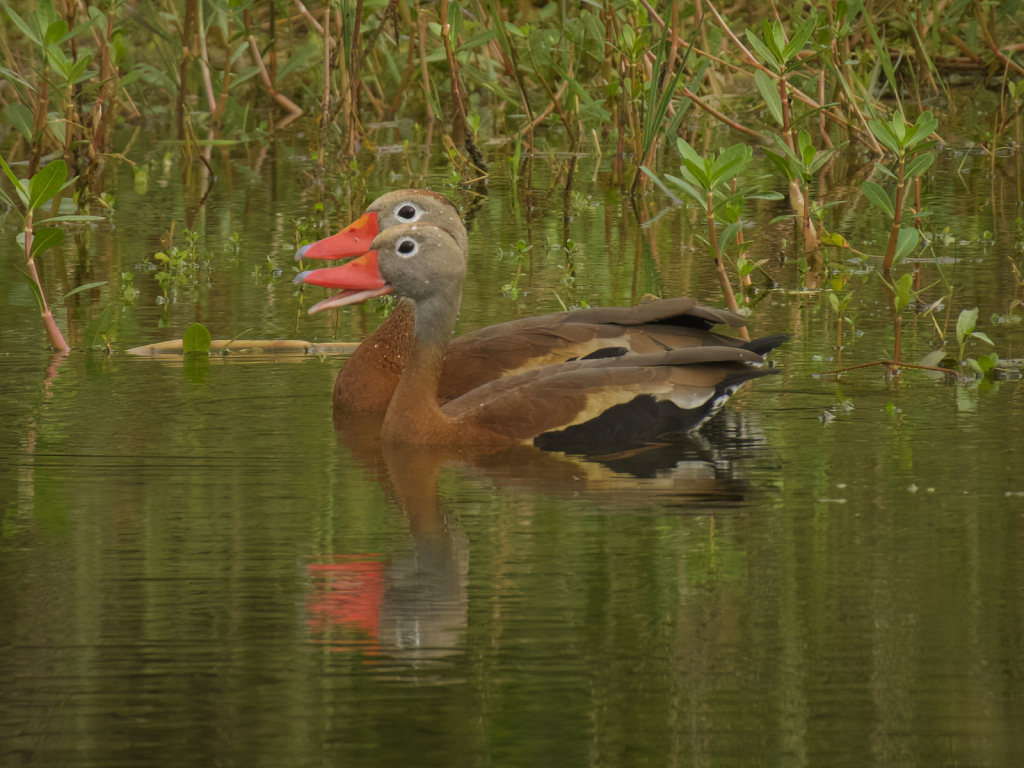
(414,417)
(368,380)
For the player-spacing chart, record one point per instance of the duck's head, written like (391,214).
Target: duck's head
(403,206)
(417,261)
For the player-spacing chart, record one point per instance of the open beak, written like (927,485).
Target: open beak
(353,240)
(359,280)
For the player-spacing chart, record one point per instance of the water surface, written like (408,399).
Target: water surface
(196,567)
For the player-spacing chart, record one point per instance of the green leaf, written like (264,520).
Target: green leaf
(965,324)
(20,117)
(73,217)
(983,337)
(763,51)
(932,359)
(923,128)
(512,29)
(688,152)
(196,340)
(775,38)
(906,242)
(86,287)
(660,184)
(56,31)
(35,288)
(886,171)
(784,148)
(689,189)
(885,135)
(47,183)
(918,165)
(883,56)
(800,37)
(770,93)
(26,30)
(44,239)
(820,158)
(19,187)
(728,236)
(730,162)
(899,127)
(698,172)
(96,333)
(807,149)
(477,40)
(879,198)
(904,291)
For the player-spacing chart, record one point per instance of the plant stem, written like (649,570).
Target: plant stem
(52,331)
(894,234)
(723,276)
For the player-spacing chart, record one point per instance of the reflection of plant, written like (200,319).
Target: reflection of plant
(128,289)
(567,296)
(235,245)
(308,229)
(31,195)
(267,272)
(519,251)
(716,560)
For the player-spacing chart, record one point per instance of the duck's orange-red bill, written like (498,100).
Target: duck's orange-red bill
(353,240)
(359,274)
(359,280)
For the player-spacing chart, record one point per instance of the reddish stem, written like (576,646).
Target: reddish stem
(52,331)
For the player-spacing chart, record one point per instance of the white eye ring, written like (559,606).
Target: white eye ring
(407,247)
(415,216)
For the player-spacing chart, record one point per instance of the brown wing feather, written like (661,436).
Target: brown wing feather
(370,376)
(510,348)
(555,397)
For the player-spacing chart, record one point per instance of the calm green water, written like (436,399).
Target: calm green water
(196,568)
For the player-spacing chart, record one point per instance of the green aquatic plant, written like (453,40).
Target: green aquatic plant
(840,303)
(713,184)
(29,201)
(178,267)
(965,330)
(800,165)
(519,251)
(196,340)
(780,53)
(910,143)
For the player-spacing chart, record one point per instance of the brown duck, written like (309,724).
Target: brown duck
(620,401)
(368,380)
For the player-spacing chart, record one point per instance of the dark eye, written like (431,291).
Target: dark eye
(407,247)
(407,212)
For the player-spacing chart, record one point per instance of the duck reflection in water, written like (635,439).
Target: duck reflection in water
(414,604)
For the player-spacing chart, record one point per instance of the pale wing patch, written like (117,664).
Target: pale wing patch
(688,398)
(563,353)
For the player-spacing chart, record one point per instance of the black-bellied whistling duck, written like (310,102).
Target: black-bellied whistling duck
(565,407)
(367,381)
